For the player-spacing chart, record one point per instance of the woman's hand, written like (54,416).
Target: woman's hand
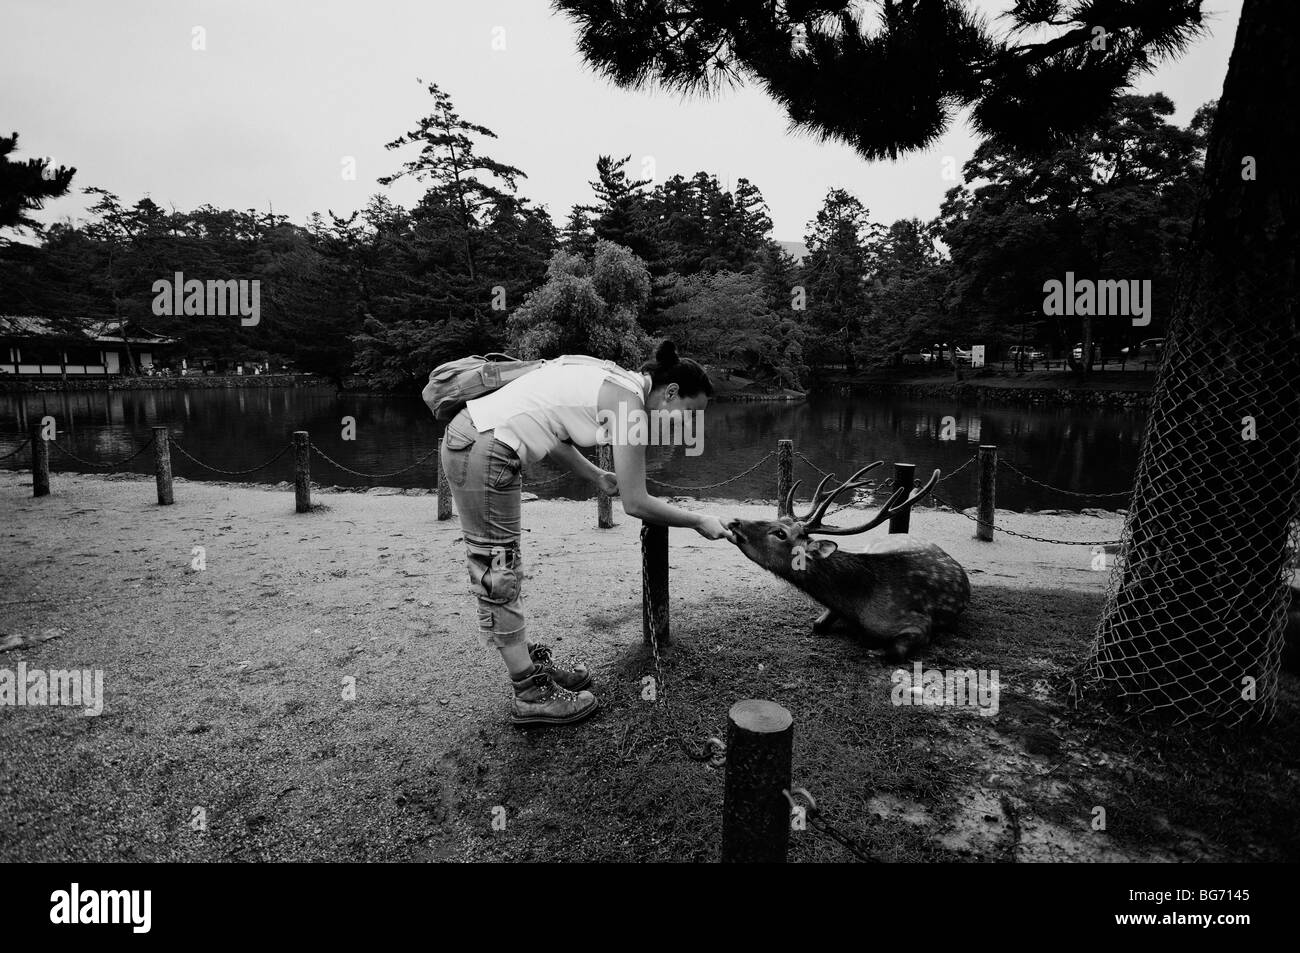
(710,527)
(608,483)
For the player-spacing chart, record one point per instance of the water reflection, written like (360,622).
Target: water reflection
(1080,449)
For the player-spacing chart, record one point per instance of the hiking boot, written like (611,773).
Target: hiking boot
(574,679)
(539,701)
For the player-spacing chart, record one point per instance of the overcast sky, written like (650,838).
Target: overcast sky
(285,89)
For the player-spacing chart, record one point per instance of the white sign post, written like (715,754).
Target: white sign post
(977,355)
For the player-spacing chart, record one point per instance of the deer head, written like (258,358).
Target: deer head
(785,546)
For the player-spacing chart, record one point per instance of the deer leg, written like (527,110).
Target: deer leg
(825,622)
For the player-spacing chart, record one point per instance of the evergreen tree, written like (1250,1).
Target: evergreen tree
(26,186)
(835,275)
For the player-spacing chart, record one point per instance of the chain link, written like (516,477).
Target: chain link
(104,466)
(822,825)
(17,450)
(973,458)
(207,466)
(1037,539)
(710,486)
(819,822)
(1055,489)
(810,463)
(714,750)
(372,476)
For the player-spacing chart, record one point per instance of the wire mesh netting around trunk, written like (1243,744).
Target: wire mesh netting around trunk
(1197,604)
(1194,621)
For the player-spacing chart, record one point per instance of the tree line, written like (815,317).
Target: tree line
(385,293)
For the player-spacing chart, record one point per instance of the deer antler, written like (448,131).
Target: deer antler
(820,501)
(896,504)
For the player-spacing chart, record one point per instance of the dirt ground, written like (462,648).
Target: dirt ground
(226,733)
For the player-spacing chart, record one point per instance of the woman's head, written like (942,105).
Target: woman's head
(676,383)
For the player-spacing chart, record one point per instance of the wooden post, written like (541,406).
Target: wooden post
(162,465)
(755,812)
(904,476)
(444,488)
(988,477)
(654,584)
(40,463)
(784,475)
(302,471)
(604,502)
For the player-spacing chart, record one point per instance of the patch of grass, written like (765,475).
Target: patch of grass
(620,788)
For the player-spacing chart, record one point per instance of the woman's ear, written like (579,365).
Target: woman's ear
(671,392)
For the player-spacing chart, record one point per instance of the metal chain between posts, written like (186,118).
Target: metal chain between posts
(714,750)
(1037,539)
(17,450)
(973,458)
(1054,489)
(104,466)
(710,486)
(822,825)
(371,476)
(810,463)
(207,466)
(877,487)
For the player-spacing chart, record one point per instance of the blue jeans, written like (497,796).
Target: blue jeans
(485,478)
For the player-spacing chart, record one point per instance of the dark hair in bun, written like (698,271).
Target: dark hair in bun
(667,368)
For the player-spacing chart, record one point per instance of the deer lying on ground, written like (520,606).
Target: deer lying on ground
(897,591)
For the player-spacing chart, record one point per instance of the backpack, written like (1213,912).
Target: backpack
(452,384)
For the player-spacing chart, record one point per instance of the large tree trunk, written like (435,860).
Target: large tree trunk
(1193,625)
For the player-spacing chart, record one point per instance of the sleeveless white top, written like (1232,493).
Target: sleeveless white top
(555,403)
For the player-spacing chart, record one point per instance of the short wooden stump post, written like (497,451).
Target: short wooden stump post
(654,584)
(988,483)
(604,502)
(784,476)
(444,488)
(40,463)
(162,465)
(302,471)
(755,812)
(904,476)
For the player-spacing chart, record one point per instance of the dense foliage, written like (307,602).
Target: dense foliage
(382,295)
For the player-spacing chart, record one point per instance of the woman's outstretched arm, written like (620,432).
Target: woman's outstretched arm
(567,455)
(638,503)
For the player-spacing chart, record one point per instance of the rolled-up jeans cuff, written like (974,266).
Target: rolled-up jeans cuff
(492,639)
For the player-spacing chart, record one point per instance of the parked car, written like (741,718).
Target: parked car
(1025,353)
(963,356)
(1078,351)
(1150,349)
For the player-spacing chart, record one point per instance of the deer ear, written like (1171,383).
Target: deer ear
(821,548)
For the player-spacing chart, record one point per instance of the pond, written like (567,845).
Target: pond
(1085,450)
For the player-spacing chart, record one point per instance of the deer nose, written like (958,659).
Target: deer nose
(734,526)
